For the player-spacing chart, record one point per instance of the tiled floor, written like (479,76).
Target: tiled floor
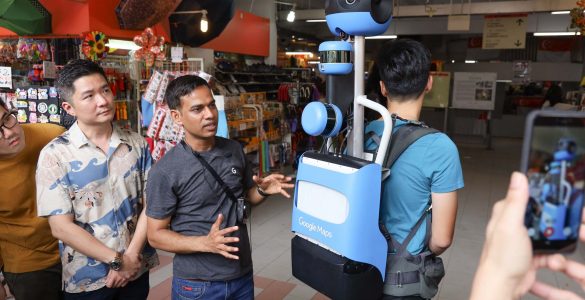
(486,174)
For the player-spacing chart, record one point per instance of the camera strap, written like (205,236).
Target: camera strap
(213,173)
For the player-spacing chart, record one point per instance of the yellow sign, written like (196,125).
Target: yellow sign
(504,31)
(438,96)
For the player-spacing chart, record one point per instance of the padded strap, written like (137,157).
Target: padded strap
(403,138)
(402,249)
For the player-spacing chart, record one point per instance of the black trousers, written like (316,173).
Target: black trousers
(135,290)
(43,284)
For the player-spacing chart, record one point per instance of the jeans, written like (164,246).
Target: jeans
(43,284)
(134,290)
(236,289)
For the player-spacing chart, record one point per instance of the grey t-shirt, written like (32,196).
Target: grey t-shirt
(180,187)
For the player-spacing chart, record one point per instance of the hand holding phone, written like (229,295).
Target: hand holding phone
(553,159)
(507,267)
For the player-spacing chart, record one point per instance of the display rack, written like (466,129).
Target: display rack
(140,74)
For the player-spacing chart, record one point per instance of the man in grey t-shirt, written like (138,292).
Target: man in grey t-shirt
(213,259)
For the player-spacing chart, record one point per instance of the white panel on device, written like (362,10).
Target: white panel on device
(329,165)
(320,201)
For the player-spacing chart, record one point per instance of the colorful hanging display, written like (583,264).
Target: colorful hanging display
(7,51)
(578,17)
(94,45)
(152,47)
(33,50)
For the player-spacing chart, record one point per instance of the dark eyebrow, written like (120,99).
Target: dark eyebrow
(105,85)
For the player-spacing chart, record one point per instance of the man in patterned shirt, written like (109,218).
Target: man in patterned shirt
(90,185)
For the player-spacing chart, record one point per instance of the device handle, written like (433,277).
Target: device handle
(387,133)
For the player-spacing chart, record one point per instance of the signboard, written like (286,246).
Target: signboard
(521,70)
(504,31)
(458,22)
(438,96)
(474,90)
(6,77)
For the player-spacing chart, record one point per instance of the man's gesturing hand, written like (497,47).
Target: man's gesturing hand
(216,240)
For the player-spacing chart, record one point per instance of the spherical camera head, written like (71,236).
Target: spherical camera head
(358,17)
(321,119)
(335,58)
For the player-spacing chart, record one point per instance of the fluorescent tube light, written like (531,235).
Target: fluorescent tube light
(122,44)
(316,21)
(470,61)
(561,33)
(310,54)
(560,12)
(381,37)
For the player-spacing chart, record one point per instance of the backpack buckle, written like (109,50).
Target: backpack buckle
(399,279)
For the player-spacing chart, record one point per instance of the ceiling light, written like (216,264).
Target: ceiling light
(316,21)
(561,33)
(381,37)
(470,61)
(291,16)
(310,54)
(560,12)
(204,25)
(313,62)
(122,44)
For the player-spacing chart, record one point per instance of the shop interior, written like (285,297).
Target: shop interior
(262,60)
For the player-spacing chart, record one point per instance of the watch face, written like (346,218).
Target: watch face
(115,265)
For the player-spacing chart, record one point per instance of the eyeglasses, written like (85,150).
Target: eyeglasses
(8,122)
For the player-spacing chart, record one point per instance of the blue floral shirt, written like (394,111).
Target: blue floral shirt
(103,191)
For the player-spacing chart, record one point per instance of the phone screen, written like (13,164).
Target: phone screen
(555,167)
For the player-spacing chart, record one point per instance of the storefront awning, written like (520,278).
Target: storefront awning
(25,17)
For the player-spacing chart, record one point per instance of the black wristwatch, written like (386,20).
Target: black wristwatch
(116,263)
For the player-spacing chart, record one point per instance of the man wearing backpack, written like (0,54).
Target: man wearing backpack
(427,172)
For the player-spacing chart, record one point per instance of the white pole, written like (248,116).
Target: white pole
(358,110)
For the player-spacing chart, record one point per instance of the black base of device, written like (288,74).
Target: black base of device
(333,275)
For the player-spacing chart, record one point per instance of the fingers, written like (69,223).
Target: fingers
(217,223)
(284,193)
(560,263)
(115,280)
(226,231)
(516,200)
(548,292)
(582,233)
(229,255)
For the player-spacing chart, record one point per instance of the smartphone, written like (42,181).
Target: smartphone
(553,159)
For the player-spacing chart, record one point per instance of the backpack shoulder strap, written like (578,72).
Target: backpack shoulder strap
(403,138)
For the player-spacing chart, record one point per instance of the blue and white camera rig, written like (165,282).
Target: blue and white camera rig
(338,248)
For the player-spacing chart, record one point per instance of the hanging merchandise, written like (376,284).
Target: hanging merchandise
(33,50)
(164,132)
(94,45)
(152,47)
(7,51)
(36,74)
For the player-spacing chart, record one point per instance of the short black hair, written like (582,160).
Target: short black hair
(404,67)
(72,71)
(182,86)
